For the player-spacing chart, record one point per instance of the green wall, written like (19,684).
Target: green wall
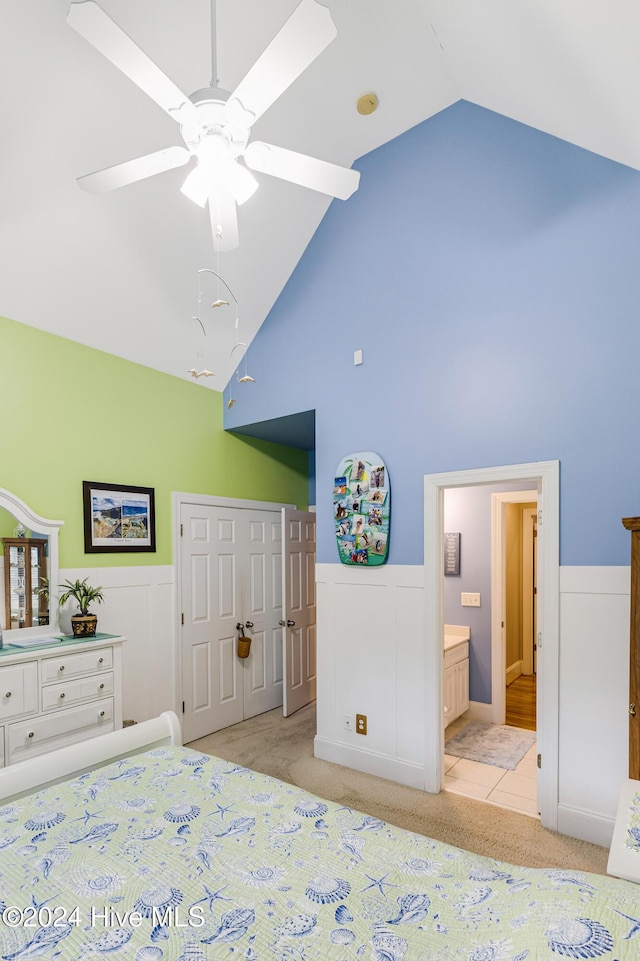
(71,413)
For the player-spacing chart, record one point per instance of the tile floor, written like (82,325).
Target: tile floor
(510,789)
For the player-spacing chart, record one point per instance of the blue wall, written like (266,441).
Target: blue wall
(468,510)
(491,275)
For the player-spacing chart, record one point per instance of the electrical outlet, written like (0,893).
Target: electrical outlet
(470,600)
(348,722)
(361,723)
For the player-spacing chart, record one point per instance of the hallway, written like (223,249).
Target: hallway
(521,703)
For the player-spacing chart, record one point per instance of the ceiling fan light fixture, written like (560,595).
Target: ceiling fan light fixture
(195,187)
(242,183)
(224,176)
(216,125)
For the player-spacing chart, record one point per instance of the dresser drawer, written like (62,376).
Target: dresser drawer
(74,665)
(18,689)
(43,734)
(69,692)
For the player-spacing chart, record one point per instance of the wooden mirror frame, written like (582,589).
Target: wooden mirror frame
(23,513)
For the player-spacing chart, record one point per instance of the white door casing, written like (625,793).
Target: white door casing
(545,476)
(299,608)
(529,539)
(228,559)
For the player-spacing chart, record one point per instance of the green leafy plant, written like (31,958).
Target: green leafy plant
(43,590)
(83,594)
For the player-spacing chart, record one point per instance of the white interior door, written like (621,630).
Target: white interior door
(262,612)
(298,608)
(212,680)
(231,564)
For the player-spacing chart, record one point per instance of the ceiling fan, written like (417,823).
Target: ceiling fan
(214,124)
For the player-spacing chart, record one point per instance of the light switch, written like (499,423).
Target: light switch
(357,358)
(470,600)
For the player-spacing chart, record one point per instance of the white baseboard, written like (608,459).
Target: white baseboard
(585,825)
(479,712)
(378,764)
(513,672)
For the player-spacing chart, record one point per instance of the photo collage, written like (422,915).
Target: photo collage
(361,509)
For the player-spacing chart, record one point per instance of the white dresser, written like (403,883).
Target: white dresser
(57,695)
(455,679)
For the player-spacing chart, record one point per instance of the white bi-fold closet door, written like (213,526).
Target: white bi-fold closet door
(231,572)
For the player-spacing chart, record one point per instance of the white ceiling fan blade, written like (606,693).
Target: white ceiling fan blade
(127,173)
(307,32)
(224,221)
(92,23)
(300,169)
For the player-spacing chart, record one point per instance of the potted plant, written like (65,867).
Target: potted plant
(83,624)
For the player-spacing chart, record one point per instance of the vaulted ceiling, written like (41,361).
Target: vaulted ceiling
(118,271)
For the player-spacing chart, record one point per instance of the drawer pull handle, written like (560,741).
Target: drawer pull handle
(31,733)
(61,695)
(8,694)
(101,713)
(101,687)
(61,668)
(100,660)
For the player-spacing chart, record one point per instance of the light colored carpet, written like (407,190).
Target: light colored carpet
(283,748)
(494,744)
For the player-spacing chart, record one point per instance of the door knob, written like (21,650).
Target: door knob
(248,623)
(632,710)
(239,626)
(291,623)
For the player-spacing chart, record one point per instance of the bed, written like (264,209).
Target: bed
(137,848)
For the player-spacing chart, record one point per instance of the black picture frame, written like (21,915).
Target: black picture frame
(118,518)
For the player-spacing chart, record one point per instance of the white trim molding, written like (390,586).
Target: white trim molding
(48,528)
(545,477)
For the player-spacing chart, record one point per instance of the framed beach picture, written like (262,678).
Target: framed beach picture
(118,517)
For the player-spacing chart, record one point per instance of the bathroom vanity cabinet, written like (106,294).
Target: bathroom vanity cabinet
(455,681)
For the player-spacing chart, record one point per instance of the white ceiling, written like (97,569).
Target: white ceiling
(118,271)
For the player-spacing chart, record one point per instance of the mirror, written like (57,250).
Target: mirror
(29,559)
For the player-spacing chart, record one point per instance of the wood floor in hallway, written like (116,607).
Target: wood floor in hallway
(521,702)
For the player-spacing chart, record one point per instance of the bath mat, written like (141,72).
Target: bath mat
(494,744)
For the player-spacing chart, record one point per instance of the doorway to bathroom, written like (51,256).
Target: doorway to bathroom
(488,594)
(486,693)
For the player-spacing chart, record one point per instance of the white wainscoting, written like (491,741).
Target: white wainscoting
(371,661)
(139,603)
(594,699)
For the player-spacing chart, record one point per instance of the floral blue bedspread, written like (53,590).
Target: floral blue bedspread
(178,856)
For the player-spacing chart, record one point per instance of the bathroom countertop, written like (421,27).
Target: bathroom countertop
(455,634)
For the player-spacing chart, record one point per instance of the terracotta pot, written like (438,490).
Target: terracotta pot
(84,625)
